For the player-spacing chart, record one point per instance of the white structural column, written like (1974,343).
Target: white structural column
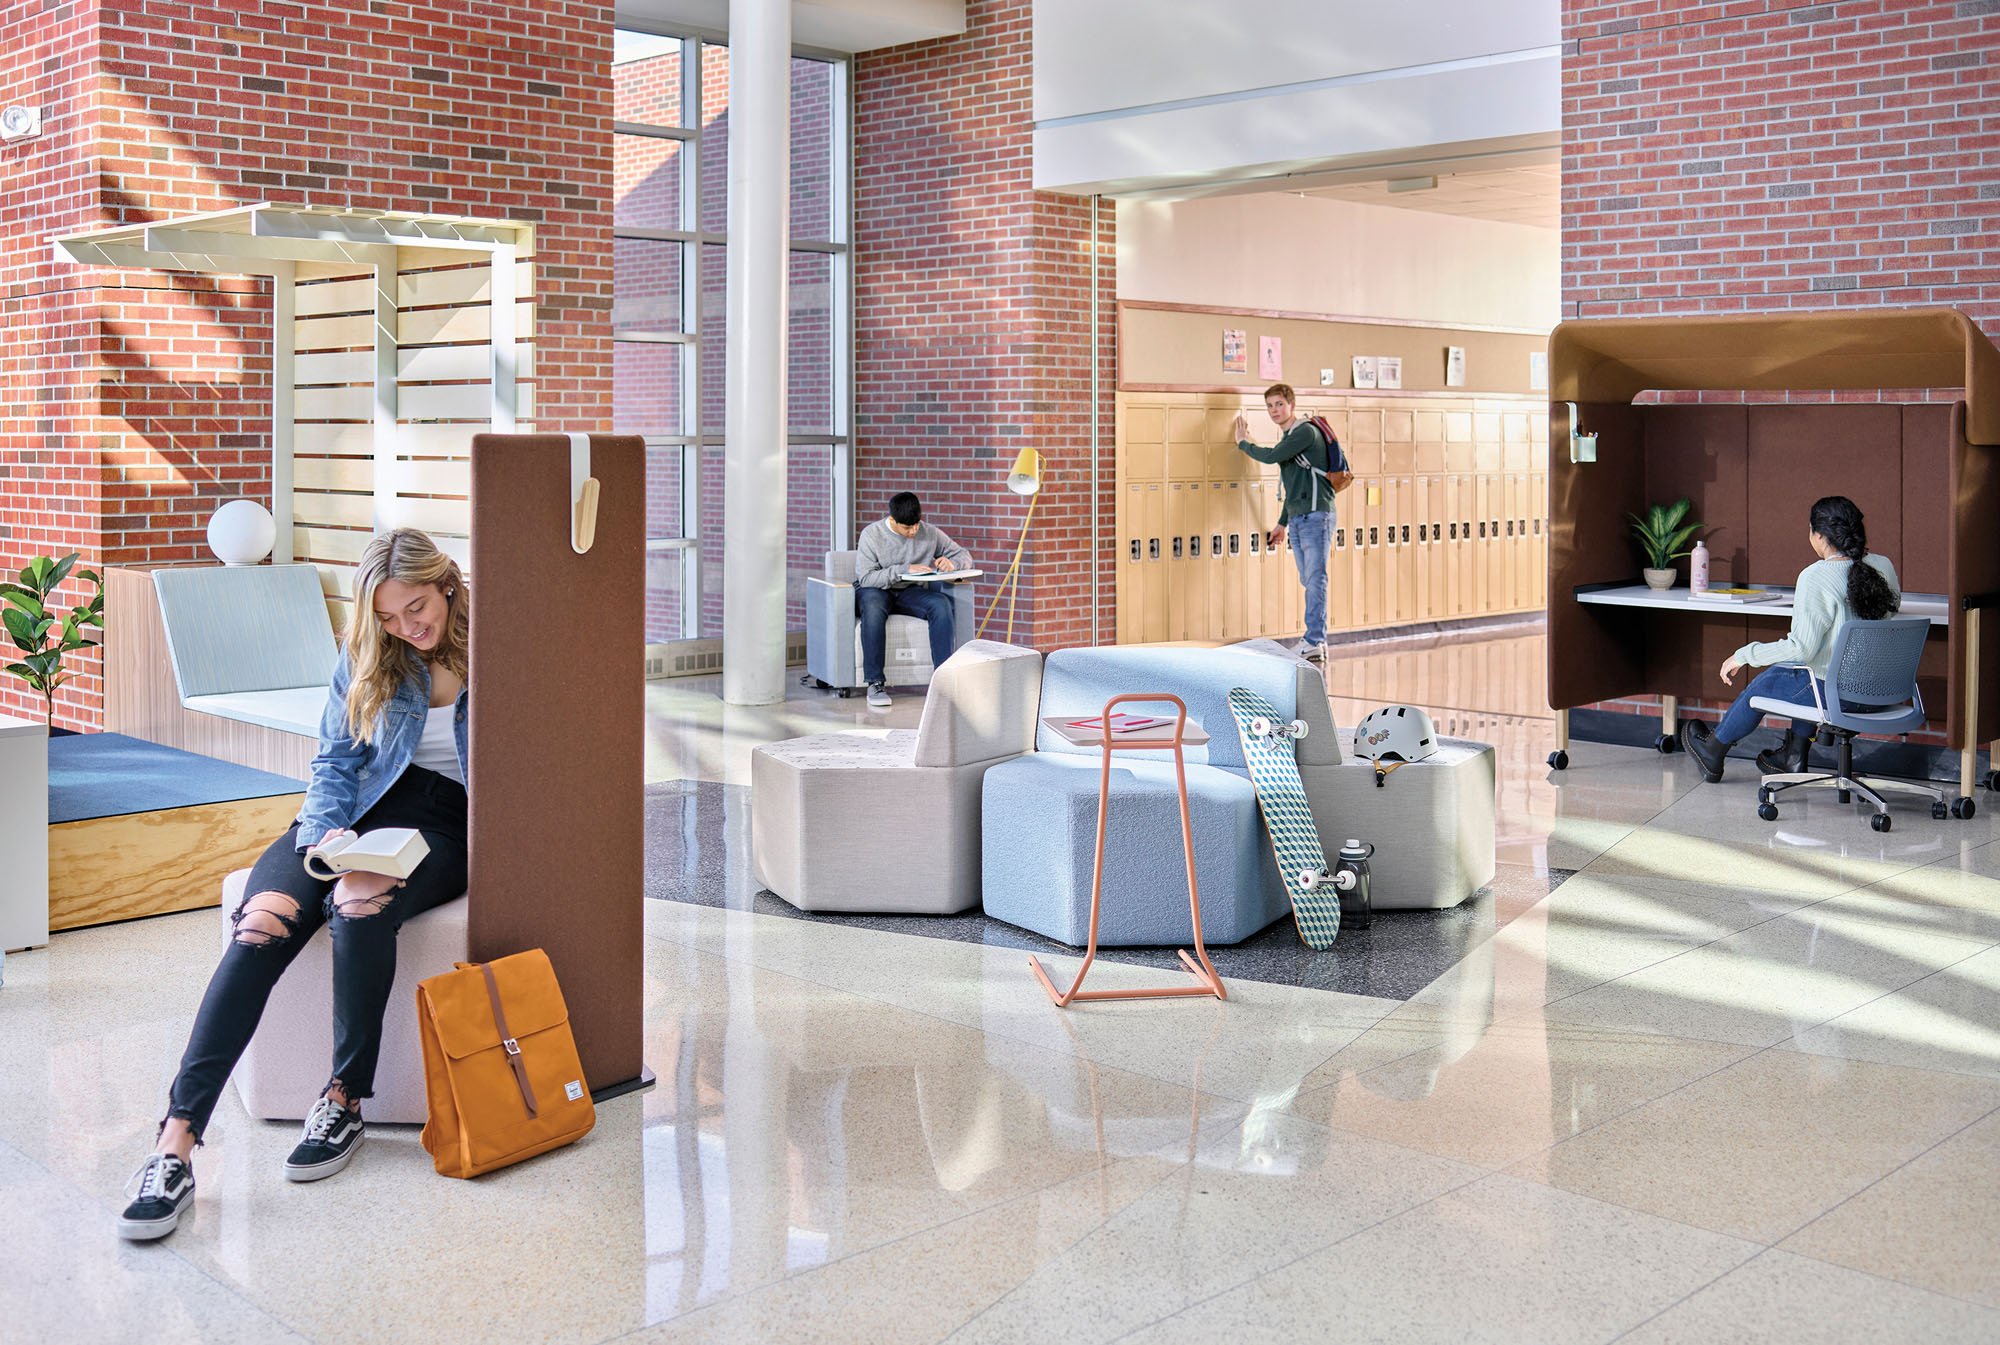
(754,423)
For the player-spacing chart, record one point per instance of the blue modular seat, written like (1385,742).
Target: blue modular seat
(1039,818)
(1039,813)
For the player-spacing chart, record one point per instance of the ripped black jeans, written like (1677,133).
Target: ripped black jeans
(364,945)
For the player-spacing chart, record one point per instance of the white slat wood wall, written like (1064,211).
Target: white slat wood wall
(443,398)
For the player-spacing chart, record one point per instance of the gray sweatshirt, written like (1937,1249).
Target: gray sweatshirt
(886,554)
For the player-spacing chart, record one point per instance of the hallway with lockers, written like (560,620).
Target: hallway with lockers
(1446,520)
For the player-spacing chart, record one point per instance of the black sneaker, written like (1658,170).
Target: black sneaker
(333,1133)
(161,1191)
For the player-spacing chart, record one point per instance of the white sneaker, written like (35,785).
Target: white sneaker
(878,694)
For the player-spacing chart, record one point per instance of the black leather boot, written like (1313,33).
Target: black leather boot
(1791,756)
(1707,750)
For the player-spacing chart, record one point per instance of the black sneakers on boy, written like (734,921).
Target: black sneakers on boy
(333,1133)
(161,1191)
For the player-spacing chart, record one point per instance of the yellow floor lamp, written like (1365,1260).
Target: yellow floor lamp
(1024,479)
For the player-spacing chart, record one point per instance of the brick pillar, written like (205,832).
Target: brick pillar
(143,398)
(972,306)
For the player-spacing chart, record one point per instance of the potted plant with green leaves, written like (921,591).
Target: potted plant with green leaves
(41,631)
(1664,535)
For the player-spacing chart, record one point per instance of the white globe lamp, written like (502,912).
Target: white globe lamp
(241,532)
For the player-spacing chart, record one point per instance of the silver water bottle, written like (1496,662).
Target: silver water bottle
(1350,879)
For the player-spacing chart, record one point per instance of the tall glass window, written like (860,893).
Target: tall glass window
(669,273)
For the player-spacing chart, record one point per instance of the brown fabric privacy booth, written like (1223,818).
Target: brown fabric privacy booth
(1925,475)
(558,732)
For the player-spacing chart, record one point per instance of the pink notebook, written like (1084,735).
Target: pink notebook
(1122,723)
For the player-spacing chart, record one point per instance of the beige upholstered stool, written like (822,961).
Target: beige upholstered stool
(289,1059)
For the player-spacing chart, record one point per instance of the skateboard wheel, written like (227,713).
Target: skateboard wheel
(1260,727)
(1299,728)
(1309,879)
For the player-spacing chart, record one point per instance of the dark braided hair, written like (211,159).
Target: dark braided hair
(1868,593)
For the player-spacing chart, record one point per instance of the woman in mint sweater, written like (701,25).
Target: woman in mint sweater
(1846,582)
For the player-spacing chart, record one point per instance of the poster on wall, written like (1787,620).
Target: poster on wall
(1235,351)
(1454,366)
(1364,371)
(1538,371)
(1270,358)
(1389,371)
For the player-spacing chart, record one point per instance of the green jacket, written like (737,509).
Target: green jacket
(1306,491)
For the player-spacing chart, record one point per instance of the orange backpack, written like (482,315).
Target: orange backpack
(500,1066)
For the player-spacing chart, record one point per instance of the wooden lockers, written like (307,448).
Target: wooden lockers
(1446,519)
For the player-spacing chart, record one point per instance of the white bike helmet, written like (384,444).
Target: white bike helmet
(1398,733)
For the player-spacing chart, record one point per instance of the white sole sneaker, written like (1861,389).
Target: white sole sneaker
(148,1230)
(312,1172)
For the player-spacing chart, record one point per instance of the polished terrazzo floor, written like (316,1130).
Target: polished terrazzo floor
(1729,1081)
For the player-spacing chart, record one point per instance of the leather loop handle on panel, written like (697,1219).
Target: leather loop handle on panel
(583,490)
(512,1047)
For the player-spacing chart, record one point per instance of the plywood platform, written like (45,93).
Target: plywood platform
(137,828)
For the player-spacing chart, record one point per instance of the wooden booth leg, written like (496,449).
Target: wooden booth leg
(1208,980)
(1968,757)
(1670,725)
(1559,759)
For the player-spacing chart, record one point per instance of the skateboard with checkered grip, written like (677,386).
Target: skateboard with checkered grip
(1281,797)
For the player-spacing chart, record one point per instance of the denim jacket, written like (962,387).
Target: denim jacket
(349,777)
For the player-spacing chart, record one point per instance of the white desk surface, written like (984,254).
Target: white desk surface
(10,727)
(1933,605)
(1139,739)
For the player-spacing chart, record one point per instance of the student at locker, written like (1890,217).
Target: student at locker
(890,548)
(1311,468)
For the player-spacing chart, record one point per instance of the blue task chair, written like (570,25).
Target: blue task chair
(1874,664)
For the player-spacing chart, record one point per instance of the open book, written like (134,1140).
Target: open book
(395,851)
(925,576)
(1736,595)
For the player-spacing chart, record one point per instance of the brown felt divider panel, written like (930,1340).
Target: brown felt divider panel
(1798,454)
(1924,563)
(558,732)
(1974,570)
(1590,656)
(1702,452)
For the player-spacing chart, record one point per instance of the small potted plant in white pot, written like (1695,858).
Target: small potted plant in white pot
(1664,536)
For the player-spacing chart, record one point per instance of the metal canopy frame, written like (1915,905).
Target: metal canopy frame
(274,240)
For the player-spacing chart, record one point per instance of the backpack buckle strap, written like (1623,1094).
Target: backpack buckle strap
(508,1042)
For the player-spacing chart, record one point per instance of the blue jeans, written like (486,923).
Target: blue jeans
(1311,535)
(876,605)
(1783,684)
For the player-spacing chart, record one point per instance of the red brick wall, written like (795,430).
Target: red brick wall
(449,107)
(1768,155)
(972,308)
(49,494)
(1759,155)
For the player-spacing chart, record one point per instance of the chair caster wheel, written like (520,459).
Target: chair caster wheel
(846,693)
(1990,780)
(1559,761)
(1880,822)
(1667,744)
(1940,810)
(1768,811)
(1964,808)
